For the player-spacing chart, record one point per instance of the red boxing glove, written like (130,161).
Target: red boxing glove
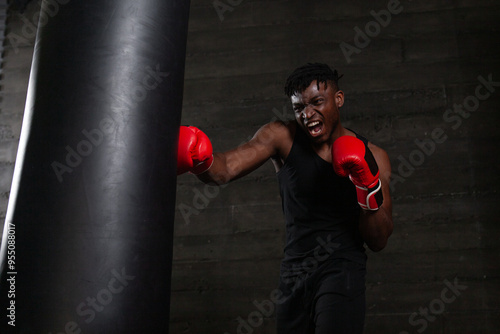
(351,157)
(194,152)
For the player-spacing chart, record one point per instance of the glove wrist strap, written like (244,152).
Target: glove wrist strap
(370,198)
(203,166)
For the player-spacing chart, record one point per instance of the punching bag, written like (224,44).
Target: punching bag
(87,243)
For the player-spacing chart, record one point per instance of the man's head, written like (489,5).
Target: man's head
(316,99)
(303,76)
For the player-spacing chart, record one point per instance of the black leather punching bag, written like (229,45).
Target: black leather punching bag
(87,243)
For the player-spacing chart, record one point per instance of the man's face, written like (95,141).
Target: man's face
(317,110)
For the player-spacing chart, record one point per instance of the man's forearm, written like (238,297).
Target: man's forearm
(217,174)
(375,228)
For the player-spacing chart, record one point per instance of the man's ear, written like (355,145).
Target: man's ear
(339,98)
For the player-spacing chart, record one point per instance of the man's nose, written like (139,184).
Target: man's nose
(308,112)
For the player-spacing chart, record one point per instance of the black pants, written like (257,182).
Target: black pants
(330,300)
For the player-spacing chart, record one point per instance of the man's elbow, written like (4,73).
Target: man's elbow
(380,242)
(377,245)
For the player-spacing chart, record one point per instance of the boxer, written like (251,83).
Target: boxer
(334,184)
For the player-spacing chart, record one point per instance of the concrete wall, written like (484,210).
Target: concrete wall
(404,87)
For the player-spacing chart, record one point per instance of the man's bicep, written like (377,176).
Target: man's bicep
(384,166)
(383,162)
(254,153)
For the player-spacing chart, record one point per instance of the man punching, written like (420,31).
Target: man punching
(334,185)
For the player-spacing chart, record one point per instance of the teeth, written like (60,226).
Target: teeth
(310,125)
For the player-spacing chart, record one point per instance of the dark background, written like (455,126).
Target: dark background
(399,88)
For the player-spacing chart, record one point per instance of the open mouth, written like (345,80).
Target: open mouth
(315,128)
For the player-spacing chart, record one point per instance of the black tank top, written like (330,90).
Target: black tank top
(320,207)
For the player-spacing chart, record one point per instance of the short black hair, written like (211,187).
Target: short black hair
(302,77)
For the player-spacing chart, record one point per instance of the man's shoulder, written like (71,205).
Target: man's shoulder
(379,153)
(281,134)
(376,149)
(381,157)
(281,130)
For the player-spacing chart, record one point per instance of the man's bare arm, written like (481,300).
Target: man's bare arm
(267,142)
(376,226)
